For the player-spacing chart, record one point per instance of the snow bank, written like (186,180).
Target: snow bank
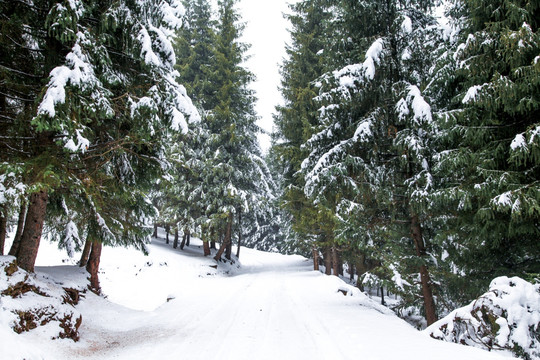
(507,317)
(30,302)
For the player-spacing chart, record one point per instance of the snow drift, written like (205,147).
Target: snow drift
(507,317)
(29,301)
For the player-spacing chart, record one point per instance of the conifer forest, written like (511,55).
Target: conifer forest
(404,156)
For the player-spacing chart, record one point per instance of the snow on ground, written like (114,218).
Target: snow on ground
(173,304)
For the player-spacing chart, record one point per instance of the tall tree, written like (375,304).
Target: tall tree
(97,132)
(295,120)
(238,172)
(369,157)
(488,170)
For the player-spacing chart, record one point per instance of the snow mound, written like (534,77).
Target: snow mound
(507,317)
(29,301)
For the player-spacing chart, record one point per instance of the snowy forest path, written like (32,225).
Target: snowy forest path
(261,313)
(274,307)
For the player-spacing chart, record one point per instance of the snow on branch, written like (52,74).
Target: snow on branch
(78,72)
(173,13)
(421,109)
(147,52)
(361,72)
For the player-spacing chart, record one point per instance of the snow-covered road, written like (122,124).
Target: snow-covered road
(273,307)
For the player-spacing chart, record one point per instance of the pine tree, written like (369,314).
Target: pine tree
(97,130)
(181,192)
(220,183)
(238,173)
(295,121)
(369,157)
(489,158)
(195,52)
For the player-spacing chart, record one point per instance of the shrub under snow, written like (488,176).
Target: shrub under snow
(507,317)
(29,301)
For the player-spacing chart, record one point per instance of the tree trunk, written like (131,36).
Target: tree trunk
(327,259)
(167,230)
(228,249)
(227,239)
(429,303)
(213,241)
(239,233)
(206,247)
(382,296)
(315,259)
(3,228)
(86,252)
(351,271)
(335,261)
(33,227)
(20,227)
(175,242)
(188,238)
(93,266)
(359,268)
(154,235)
(184,238)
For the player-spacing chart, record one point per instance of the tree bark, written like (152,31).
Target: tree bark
(227,239)
(351,271)
(20,227)
(206,248)
(327,259)
(429,303)
(175,242)
(188,238)
(93,266)
(167,230)
(382,296)
(315,259)
(184,238)
(3,228)
(154,235)
(33,228)
(228,249)
(239,233)
(335,261)
(359,267)
(86,252)
(213,241)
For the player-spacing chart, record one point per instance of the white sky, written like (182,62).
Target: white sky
(266,31)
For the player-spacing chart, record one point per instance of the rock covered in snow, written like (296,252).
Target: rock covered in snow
(507,317)
(28,301)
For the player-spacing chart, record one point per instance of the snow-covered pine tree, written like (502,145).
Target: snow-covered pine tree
(195,52)
(369,159)
(489,161)
(181,191)
(296,118)
(234,178)
(97,133)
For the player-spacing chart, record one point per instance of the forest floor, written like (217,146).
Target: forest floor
(175,304)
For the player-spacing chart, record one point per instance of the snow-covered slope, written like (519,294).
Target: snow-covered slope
(505,317)
(174,304)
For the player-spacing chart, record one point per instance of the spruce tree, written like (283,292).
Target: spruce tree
(369,158)
(489,158)
(104,100)
(308,228)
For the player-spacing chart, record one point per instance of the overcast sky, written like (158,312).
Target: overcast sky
(266,31)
